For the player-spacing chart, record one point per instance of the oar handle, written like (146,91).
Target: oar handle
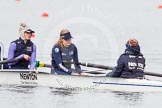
(48,65)
(41,64)
(96,66)
(153,74)
(9,61)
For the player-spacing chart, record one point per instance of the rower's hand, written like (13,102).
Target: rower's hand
(26,57)
(83,74)
(75,73)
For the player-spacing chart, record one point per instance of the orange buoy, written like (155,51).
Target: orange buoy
(160,6)
(44,14)
(18,0)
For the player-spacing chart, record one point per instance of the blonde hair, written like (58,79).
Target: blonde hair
(64,31)
(60,40)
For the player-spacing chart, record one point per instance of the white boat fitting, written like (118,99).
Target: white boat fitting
(82,83)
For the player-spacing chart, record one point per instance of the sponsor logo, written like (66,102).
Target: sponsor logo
(56,50)
(71,53)
(63,36)
(140,57)
(29,48)
(19,42)
(28,76)
(133,65)
(131,56)
(63,54)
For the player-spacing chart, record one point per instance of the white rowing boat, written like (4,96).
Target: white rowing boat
(82,83)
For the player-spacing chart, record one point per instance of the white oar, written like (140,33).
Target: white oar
(106,67)
(111,68)
(41,64)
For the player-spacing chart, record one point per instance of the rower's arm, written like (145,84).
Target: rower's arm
(76,61)
(119,68)
(57,57)
(33,58)
(11,51)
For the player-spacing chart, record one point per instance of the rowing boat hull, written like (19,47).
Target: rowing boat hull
(82,83)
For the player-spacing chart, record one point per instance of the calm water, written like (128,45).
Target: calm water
(100,29)
(40,97)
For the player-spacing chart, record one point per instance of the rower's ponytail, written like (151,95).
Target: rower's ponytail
(60,42)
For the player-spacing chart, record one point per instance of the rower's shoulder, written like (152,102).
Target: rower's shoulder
(123,55)
(34,47)
(56,48)
(74,46)
(14,41)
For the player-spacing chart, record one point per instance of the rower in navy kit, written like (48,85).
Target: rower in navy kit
(63,52)
(131,64)
(24,49)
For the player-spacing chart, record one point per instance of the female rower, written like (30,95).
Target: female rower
(23,49)
(63,53)
(131,64)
